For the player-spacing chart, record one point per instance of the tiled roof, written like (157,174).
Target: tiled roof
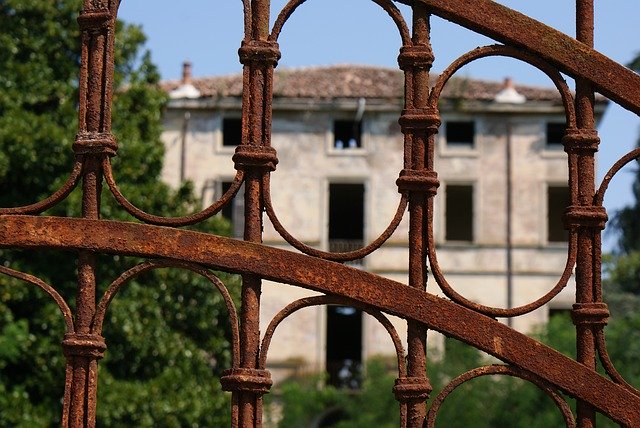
(355,81)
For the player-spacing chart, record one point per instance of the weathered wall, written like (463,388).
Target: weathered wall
(308,163)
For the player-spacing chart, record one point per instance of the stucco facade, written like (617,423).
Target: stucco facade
(312,162)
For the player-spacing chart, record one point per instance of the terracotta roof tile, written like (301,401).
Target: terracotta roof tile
(355,81)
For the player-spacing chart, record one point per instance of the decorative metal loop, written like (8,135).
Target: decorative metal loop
(412,389)
(589,217)
(569,107)
(596,314)
(249,157)
(623,161)
(255,381)
(62,304)
(500,370)
(387,5)
(95,20)
(581,141)
(259,52)
(450,292)
(419,181)
(331,300)
(507,51)
(95,143)
(135,271)
(169,221)
(415,57)
(341,257)
(607,364)
(54,199)
(83,345)
(420,120)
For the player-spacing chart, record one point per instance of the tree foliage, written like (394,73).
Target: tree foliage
(496,401)
(623,267)
(167,331)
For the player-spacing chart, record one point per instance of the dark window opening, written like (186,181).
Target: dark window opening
(231,132)
(344,346)
(347,134)
(459,213)
(558,199)
(346,211)
(460,133)
(555,132)
(346,217)
(234,210)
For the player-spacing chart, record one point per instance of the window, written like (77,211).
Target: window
(347,134)
(558,199)
(231,132)
(234,209)
(460,133)
(459,213)
(346,217)
(344,346)
(554,134)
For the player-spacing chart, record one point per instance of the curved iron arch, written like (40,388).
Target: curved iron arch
(505,371)
(130,274)
(49,290)
(328,300)
(570,114)
(387,5)
(509,52)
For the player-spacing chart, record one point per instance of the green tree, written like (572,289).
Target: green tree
(496,401)
(624,265)
(304,400)
(622,281)
(167,331)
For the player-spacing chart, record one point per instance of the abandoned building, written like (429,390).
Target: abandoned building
(498,211)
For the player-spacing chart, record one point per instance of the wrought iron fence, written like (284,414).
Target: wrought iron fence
(255,160)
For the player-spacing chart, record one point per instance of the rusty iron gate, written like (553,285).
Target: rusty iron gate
(162,242)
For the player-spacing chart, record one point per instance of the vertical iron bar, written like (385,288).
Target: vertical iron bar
(586,352)
(251,284)
(93,142)
(416,332)
(85,375)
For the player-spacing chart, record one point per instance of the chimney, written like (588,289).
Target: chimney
(186,88)
(186,73)
(508,94)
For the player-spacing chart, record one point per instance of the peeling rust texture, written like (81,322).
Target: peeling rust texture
(160,241)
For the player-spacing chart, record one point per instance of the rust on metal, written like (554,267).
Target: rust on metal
(162,244)
(570,56)
(330,278)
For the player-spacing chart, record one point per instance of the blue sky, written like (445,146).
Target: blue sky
(321,32)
